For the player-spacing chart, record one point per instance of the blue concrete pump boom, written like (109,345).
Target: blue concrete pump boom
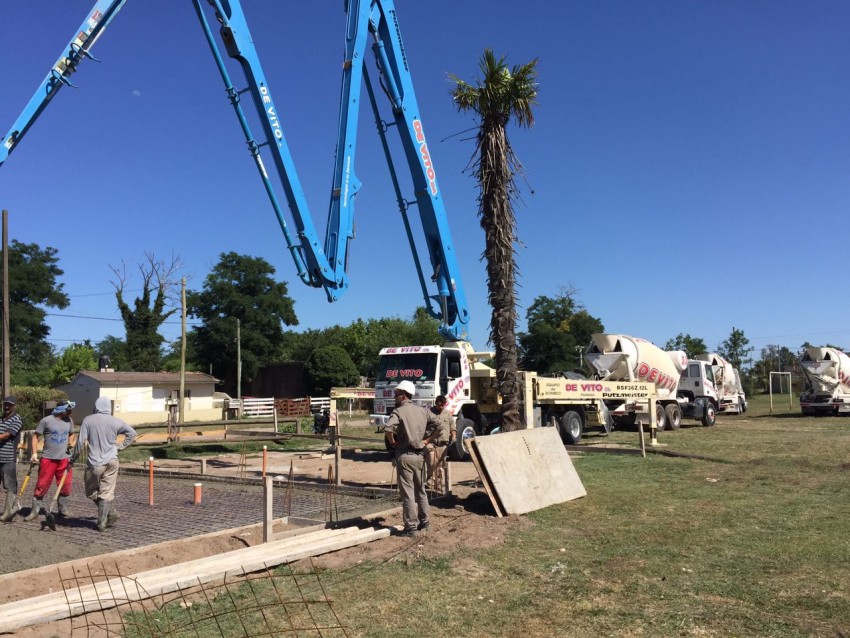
(325,266)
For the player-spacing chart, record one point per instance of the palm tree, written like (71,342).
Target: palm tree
(502,93)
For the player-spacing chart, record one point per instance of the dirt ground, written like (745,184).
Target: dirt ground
(467,511)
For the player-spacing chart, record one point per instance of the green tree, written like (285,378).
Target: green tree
(558,329)
(363,339)
(501,94)
(328,367)
(142,322)
(691,346)
(76,357)
(33,286)
(239,287)
(736,349)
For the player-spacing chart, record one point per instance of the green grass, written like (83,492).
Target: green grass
(757,544)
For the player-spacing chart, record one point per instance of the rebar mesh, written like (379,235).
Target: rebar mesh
(270,602)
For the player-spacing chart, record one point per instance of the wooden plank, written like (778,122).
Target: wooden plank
(485,480)
(108,594)
(529,469)
(170,578)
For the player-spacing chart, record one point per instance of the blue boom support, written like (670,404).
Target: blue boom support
(317,265)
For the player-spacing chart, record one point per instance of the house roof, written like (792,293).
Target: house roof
(137,378)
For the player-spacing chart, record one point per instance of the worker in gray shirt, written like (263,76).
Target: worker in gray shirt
(405,433)
(98,433)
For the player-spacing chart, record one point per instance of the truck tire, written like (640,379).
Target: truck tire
(571,427)
(465,429)
(660,418)
(709,414)
(674,416)
(742,406)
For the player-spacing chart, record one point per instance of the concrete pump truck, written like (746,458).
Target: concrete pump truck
(455,368)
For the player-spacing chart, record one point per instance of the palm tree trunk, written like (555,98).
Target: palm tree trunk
(499,224)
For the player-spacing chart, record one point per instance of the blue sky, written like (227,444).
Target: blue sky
(689,170)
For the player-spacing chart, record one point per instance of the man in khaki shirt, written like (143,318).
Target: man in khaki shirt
(440,437)
(405,433)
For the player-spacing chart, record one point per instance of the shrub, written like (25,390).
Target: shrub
(328,367)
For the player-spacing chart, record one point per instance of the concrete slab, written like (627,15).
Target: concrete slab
(528,469)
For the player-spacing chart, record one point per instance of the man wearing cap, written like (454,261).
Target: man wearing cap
(438,439)
(57,430)
(405,432)
(98,434)
(10,435)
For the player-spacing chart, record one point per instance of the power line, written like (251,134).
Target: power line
(164,323)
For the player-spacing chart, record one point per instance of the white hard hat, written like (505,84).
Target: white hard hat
(406,386)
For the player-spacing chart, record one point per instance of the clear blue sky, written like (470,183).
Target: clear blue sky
(690,162)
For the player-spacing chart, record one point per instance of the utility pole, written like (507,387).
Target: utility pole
(580,350)
(6,347)
(182,417)
(239,364)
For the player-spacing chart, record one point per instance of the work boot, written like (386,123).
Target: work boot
(112,517)
(11,508)
(63,506)
(34,510)
(102,513)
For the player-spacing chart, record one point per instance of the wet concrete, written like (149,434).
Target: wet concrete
(225,504)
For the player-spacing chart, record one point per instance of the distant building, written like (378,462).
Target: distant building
(146,397)
(281,380)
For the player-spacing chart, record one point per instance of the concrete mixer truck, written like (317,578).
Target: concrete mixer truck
(827,374)
(633,382)
(623,358)
(726,386)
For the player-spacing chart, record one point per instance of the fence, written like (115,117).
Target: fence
(264,408)
(258,408)
(320,404)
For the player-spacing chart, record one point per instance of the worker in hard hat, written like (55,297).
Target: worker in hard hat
(405,431)
(438,439)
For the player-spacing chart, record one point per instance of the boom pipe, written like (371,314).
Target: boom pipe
(240,46)
(77,49)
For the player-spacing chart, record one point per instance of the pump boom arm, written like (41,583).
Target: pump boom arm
(319,265)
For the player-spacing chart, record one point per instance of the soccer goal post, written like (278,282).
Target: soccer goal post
(790,391)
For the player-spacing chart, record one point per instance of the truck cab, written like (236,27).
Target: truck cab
(454,370)
(698,380)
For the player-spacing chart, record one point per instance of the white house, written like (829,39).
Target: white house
(146,397)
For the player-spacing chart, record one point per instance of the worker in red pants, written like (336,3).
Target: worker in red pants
(57,430)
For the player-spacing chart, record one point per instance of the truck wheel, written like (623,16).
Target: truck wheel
(743,405)
(709,415)
(674,415)
(571,428)
(660,418)
(465,429)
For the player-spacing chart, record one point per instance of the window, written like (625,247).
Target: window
(416,366)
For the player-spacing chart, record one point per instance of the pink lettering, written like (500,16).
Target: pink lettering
(430,173)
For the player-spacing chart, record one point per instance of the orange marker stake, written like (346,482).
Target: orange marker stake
(265,459)
(197,499)
(150,481)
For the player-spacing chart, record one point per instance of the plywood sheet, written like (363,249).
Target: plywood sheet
(485,480)
(529,469)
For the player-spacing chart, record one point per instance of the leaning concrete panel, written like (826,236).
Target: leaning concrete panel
(529,469)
